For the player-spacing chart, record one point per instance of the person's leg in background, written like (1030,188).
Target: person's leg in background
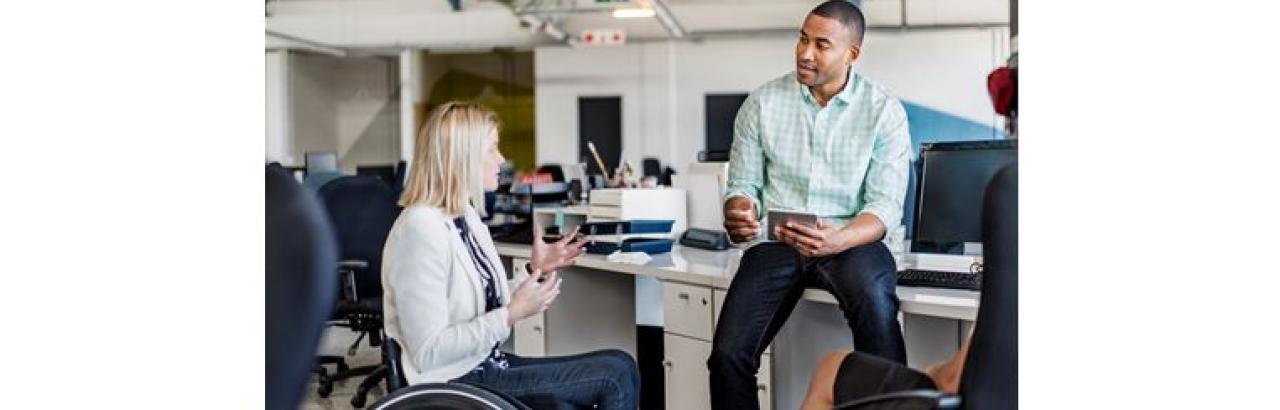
(822,384)
(608,379)
(762,295)
(846,376)
(864,281)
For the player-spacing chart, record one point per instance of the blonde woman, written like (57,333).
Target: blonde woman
(445,291)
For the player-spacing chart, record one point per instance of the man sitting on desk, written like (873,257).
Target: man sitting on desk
(829,141)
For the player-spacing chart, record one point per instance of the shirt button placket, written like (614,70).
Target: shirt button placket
(815,141)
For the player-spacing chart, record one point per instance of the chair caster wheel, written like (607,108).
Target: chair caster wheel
(357,401)
(326,384)
(324,390)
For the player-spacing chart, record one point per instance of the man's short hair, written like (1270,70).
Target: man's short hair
(847,14)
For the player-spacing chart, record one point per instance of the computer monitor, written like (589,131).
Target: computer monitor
(705,184)
(321,162)
(721,110)
(953,179)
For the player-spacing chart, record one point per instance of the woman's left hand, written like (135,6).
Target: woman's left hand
(549,257)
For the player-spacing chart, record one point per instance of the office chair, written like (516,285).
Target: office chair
(300,292)
(401,396)
(990,376)
(362,210)
(651,167)
(557,172)
(387,173)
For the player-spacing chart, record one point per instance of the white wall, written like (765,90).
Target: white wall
(663,114)
(279,135)
(562,75)
(344,105)
(367,111)
(311,96)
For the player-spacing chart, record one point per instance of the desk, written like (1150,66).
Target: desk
(597,309)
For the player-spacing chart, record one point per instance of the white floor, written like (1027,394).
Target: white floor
(335,342)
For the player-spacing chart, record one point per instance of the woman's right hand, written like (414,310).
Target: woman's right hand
(533,296)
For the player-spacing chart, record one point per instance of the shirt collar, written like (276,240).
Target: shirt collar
(845,95)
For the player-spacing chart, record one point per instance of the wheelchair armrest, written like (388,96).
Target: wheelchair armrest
(937,399)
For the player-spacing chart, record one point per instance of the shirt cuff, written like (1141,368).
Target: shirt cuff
(882,215)
(497,320)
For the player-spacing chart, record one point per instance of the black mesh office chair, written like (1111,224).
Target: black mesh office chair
(301,257)
(362,210)
(990,376)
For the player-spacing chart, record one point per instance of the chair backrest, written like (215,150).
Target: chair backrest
(557,173)
(362,210)
(990,377)
(301,260)
(651,167)
(386,172)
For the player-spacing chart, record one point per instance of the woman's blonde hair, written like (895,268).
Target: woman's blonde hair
(448,157)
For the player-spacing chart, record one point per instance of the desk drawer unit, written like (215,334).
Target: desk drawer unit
(688,384)
(687,311)
(529,336)
(764,382)
(687,379)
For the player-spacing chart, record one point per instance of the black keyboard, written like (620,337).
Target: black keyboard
(940,279)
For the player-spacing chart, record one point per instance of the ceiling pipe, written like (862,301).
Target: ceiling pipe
(309,44)
(535,23)
(668,19)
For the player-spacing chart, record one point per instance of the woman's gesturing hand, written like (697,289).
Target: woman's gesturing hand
(533,296)
(555,256)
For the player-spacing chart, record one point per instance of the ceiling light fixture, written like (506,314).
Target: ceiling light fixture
(633,13)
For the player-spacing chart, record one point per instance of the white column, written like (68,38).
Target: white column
(279,115)
(410,86)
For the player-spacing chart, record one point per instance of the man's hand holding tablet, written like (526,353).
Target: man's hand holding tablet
(806,233)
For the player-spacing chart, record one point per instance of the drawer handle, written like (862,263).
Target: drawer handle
(704,301)
(537,329)
(762,387)
(683,295)
(667,363)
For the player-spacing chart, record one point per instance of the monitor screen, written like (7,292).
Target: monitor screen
(722,110)
(953,180)
(322,162)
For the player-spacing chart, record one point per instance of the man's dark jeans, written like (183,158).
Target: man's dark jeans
(770,281)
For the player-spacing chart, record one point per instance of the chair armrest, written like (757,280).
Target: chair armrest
(353,264)
(937,399)
(347,270)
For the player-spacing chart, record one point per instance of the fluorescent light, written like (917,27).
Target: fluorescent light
(632,13)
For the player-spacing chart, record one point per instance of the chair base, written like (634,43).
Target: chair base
(325,380)
(378,375)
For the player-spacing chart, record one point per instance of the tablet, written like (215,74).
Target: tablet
(779,217)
